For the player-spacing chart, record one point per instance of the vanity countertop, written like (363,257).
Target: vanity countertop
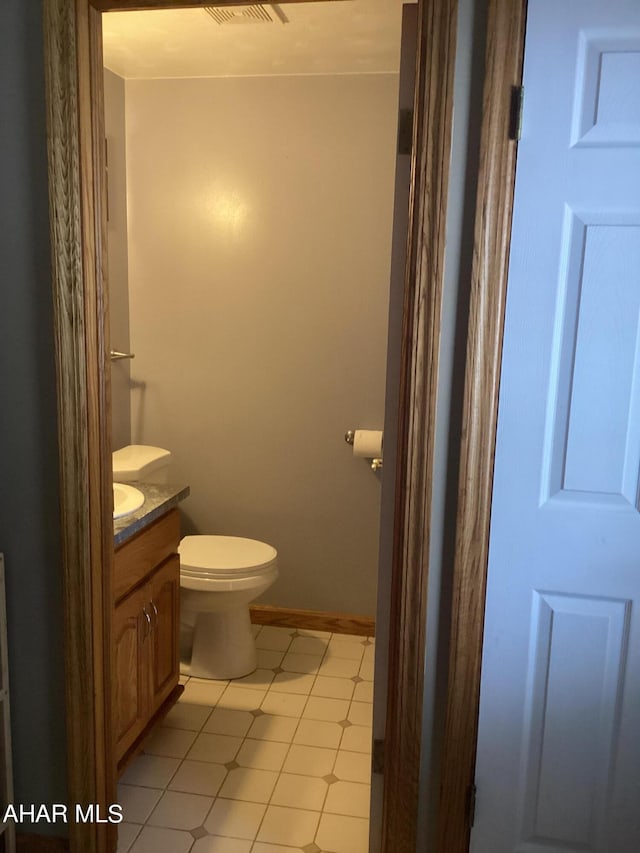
(158,499)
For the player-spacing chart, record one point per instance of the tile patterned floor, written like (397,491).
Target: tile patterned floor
(275,762)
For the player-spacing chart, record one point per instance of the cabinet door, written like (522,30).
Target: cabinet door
(131,631)
(164,601)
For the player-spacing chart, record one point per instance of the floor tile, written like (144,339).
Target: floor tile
(283,704)
(262,754)
(242,698)
(275,639)
(217,748)
(257,751)
(341,648)
(127,834)
(332,710)
(342,834)
(318,733)
(293,682)
(137,803)
(352,638)
(269,659)
(294,662)
(187,717)
(357,739)
(234,819)
(310,760)
(172,743)
(366,671)
(151,771)
(348,798)
(217,844)
(227,721)
(353,767)
(308,646)
(339,667)
(152,839)
(323,635)
(294,827)
(363,692)
(177,810)
(201,692)
(249,784)
(360,713)
(273,727)
(198,777)
(302,792)
(333,688)
(256,679)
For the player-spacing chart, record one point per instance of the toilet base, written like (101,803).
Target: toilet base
(223,645)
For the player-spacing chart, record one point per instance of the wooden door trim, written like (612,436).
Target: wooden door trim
(424,281)
(77,245)
(494,208)
(83,387)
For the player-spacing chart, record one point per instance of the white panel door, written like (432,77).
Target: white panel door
(558,763)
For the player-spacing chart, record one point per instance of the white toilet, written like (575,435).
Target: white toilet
(219,577)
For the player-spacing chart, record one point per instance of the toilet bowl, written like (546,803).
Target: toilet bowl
(219,577)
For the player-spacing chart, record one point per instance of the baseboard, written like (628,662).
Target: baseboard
(313,620)
(29,843)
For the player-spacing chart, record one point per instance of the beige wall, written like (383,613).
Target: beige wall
(117,262)
(259,243)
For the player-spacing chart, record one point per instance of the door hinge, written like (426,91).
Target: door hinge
(405,131)
(515,112)
(471,804)
(377,756)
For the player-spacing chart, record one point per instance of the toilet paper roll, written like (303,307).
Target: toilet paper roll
(368,443)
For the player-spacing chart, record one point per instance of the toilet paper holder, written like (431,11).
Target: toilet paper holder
(349,437)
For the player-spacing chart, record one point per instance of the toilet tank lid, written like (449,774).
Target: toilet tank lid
(135,461)
(225,553)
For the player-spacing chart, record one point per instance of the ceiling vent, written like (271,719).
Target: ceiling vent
(255,14)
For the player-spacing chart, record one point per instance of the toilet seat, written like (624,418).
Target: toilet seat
(224,557)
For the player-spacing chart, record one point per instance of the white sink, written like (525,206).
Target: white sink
(126,499)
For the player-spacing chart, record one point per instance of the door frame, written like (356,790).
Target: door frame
(73,67)
(504,57)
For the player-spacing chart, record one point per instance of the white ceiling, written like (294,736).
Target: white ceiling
(347,37)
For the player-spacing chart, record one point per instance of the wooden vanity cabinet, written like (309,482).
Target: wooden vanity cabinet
(145,628)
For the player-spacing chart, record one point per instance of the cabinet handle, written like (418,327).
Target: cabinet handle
(155,614)
(148,618)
